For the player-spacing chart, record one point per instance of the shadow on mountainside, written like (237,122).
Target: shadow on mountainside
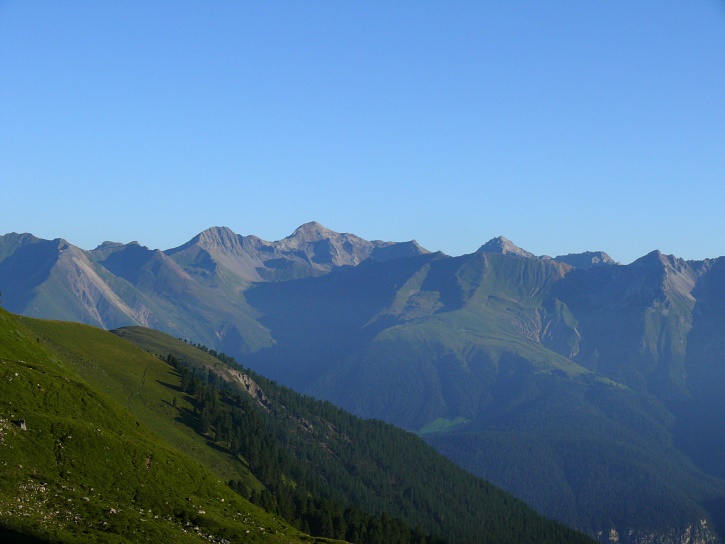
(8,535)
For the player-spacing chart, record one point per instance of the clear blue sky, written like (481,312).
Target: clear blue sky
(563,125)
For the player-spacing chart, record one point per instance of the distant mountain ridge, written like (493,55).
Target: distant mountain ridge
(310,250)
(129,284)
(485,354)
(588,259)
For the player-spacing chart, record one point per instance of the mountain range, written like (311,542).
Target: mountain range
(590,389)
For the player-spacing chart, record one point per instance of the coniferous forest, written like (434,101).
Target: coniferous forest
(335,475)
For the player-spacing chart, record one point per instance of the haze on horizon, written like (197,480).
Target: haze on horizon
(563,126)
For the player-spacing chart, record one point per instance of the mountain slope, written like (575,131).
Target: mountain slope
(57,280)
(487,354)
(648,307)
(392,471)
(422,324)
(77,465)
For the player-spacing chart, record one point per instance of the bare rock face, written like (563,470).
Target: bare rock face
(312,232)
(250,386)
(699,533)
(504,246)
(217,249)
(326,248)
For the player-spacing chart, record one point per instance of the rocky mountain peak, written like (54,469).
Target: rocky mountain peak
(384,251)
(19,239)
(9,243)
(504,246)
(311,232)
(218,238)
(654,258)
(108,245)
(676,277)
(62,244)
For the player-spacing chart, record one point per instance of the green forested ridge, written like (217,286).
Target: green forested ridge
(227,416)
(352,464)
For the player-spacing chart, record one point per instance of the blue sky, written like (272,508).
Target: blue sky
(565,125)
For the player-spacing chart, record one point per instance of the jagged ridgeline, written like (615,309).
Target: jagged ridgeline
(101,440)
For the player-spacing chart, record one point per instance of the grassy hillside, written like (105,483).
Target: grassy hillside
(143,384)
(89,465)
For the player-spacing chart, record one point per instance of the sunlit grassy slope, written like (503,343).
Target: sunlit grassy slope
(144,384)
(98,459)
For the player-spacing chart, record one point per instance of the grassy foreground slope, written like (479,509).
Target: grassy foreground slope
(78,464)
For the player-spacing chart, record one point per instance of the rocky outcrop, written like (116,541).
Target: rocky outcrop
(249,385)
(696,533)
